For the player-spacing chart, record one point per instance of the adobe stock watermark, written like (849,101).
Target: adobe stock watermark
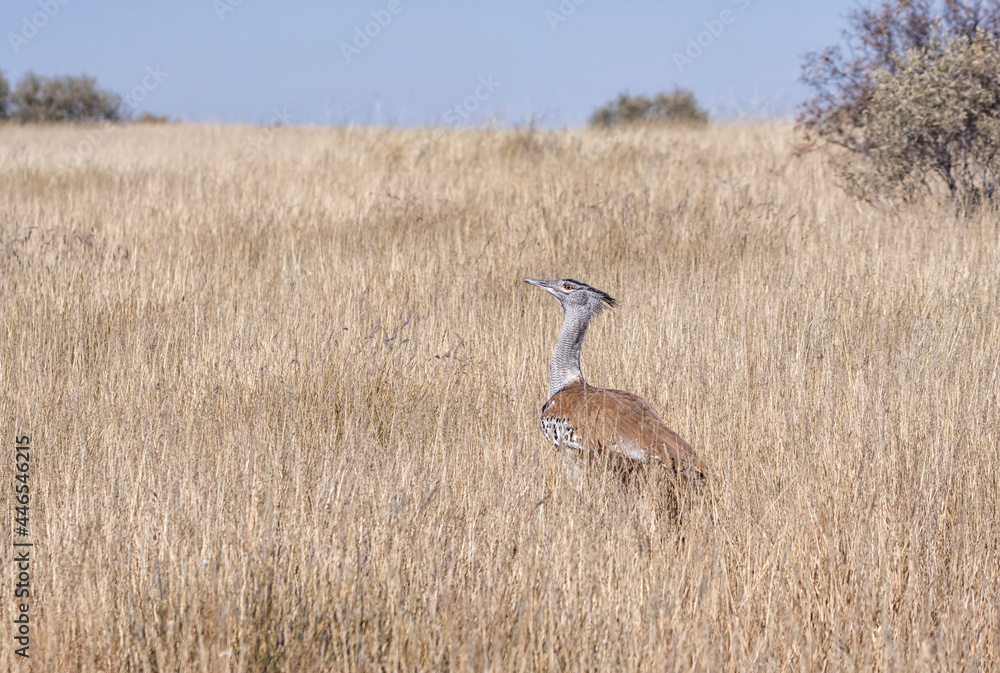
(565,9)
(223,7)
(714,28)
(31,25)
(130,102)
(455,115)
(459,112)
(251,148)
(362,38)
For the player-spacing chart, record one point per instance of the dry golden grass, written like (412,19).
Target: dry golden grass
(283,386)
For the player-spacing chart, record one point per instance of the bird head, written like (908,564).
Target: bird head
(575,296)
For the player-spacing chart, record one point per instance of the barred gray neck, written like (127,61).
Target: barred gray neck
(566,361)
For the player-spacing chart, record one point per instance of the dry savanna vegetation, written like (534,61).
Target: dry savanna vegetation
(282,389)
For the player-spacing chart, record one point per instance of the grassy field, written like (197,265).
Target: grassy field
(282,389)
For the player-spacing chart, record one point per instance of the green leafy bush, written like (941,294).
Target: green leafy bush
(59,99)
(56,99)
(677,107)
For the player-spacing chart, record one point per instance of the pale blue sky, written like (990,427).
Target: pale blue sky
(239,60)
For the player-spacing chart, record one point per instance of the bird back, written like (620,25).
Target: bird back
(603,419)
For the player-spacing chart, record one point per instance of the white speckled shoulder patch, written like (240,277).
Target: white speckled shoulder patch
(561,433)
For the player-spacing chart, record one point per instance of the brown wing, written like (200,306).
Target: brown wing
(605,419)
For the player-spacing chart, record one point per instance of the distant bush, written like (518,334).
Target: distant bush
(64,99)
(59,99)
(4,96)
(150,118)
(677,107)
(917,105)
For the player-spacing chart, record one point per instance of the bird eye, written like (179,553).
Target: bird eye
(567,287)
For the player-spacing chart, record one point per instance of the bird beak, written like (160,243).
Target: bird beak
(546,285)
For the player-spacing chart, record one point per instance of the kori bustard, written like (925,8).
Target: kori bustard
(581,419)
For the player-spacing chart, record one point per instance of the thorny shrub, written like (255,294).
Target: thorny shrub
(918,108)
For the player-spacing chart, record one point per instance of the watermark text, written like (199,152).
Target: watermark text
(22,546)
(714,28)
